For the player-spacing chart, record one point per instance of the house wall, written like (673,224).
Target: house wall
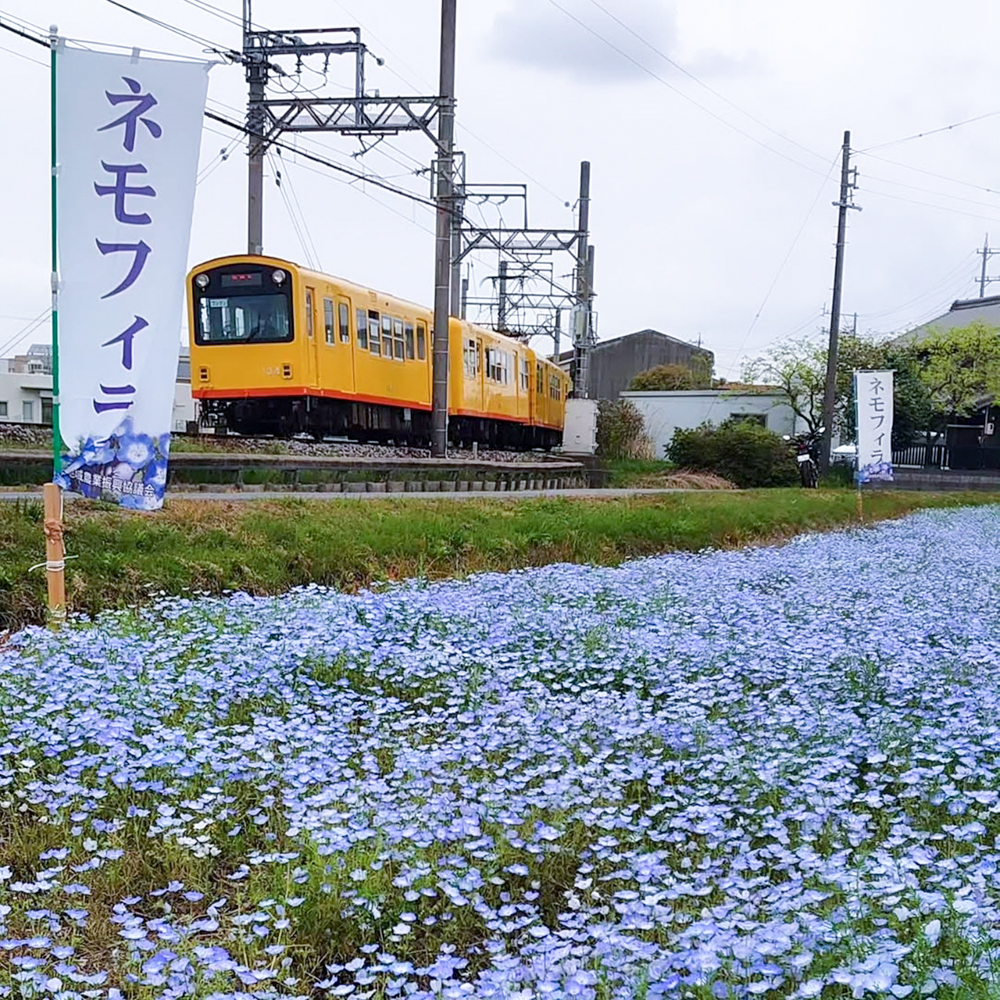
(20,388)
(664,412)
(21,396)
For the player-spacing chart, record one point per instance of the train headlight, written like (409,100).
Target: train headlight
(278,277)
(202,281)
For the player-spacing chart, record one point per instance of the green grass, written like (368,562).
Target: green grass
(122,558)
(629,471)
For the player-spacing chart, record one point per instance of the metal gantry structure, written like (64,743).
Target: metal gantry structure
(528,301)
(530,251)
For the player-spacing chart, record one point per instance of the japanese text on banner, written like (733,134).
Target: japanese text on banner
(873,396)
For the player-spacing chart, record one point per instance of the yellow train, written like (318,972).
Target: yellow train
(278,349)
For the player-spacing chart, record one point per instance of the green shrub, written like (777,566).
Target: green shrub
(621,432)
(739,450)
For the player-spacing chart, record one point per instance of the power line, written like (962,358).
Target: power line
(21,55)
(933,131)
(213,47)
(25,331)
(680,93)
(701,83)
(931,173)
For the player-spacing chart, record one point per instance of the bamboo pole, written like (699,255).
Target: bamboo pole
(55,556)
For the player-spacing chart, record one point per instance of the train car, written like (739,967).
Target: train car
(279,349)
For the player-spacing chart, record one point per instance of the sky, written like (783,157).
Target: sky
(713,128)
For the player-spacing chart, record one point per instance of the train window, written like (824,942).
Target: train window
(554,388)
(539,379)
(525,374)
(386,336)
(373,341)
(397,339)
(362,318)
(408,330)
(421,341)
(344,317)
(471,357)
(328,319)
(242,318)
(309,312)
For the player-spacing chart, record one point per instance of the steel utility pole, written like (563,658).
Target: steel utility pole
(442,255)
(847,184)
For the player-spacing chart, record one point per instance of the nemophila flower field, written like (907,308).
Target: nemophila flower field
(761,773)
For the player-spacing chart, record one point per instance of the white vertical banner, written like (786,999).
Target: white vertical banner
(128,132)
(873,397)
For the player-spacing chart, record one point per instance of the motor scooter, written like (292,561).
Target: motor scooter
(807,456)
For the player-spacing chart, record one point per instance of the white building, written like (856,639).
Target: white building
(26,392)
(665,412)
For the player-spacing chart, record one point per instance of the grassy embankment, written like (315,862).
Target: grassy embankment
(266,547)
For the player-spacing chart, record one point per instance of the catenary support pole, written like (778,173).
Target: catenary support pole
(581,326)
(502,304)
(830,393)
(257,78)
(442,262)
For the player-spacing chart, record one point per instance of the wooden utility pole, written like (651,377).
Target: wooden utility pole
(830,395)
(443,255)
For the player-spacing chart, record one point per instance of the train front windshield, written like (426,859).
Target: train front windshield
(236,319)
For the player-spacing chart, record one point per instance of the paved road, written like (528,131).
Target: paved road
(580,494)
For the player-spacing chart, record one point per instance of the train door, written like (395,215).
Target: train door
(310,379)
(345,339)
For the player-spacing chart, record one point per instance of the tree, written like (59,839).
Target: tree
(911,399)
(664,378)
(798,369)
(960,368)
(696,374)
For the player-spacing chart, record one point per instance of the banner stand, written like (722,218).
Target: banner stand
(55,556)
(52,524)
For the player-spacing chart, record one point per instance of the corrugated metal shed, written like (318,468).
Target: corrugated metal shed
(614,363)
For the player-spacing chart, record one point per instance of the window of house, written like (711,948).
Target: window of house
(362,318)
(749,418)
(46,411)
(344,318)
(328,319)
(3,407)
(408,332)
(27,411)
(373,334)
(397,339)
(421,341)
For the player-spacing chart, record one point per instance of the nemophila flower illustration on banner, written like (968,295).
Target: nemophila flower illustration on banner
(766,773)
